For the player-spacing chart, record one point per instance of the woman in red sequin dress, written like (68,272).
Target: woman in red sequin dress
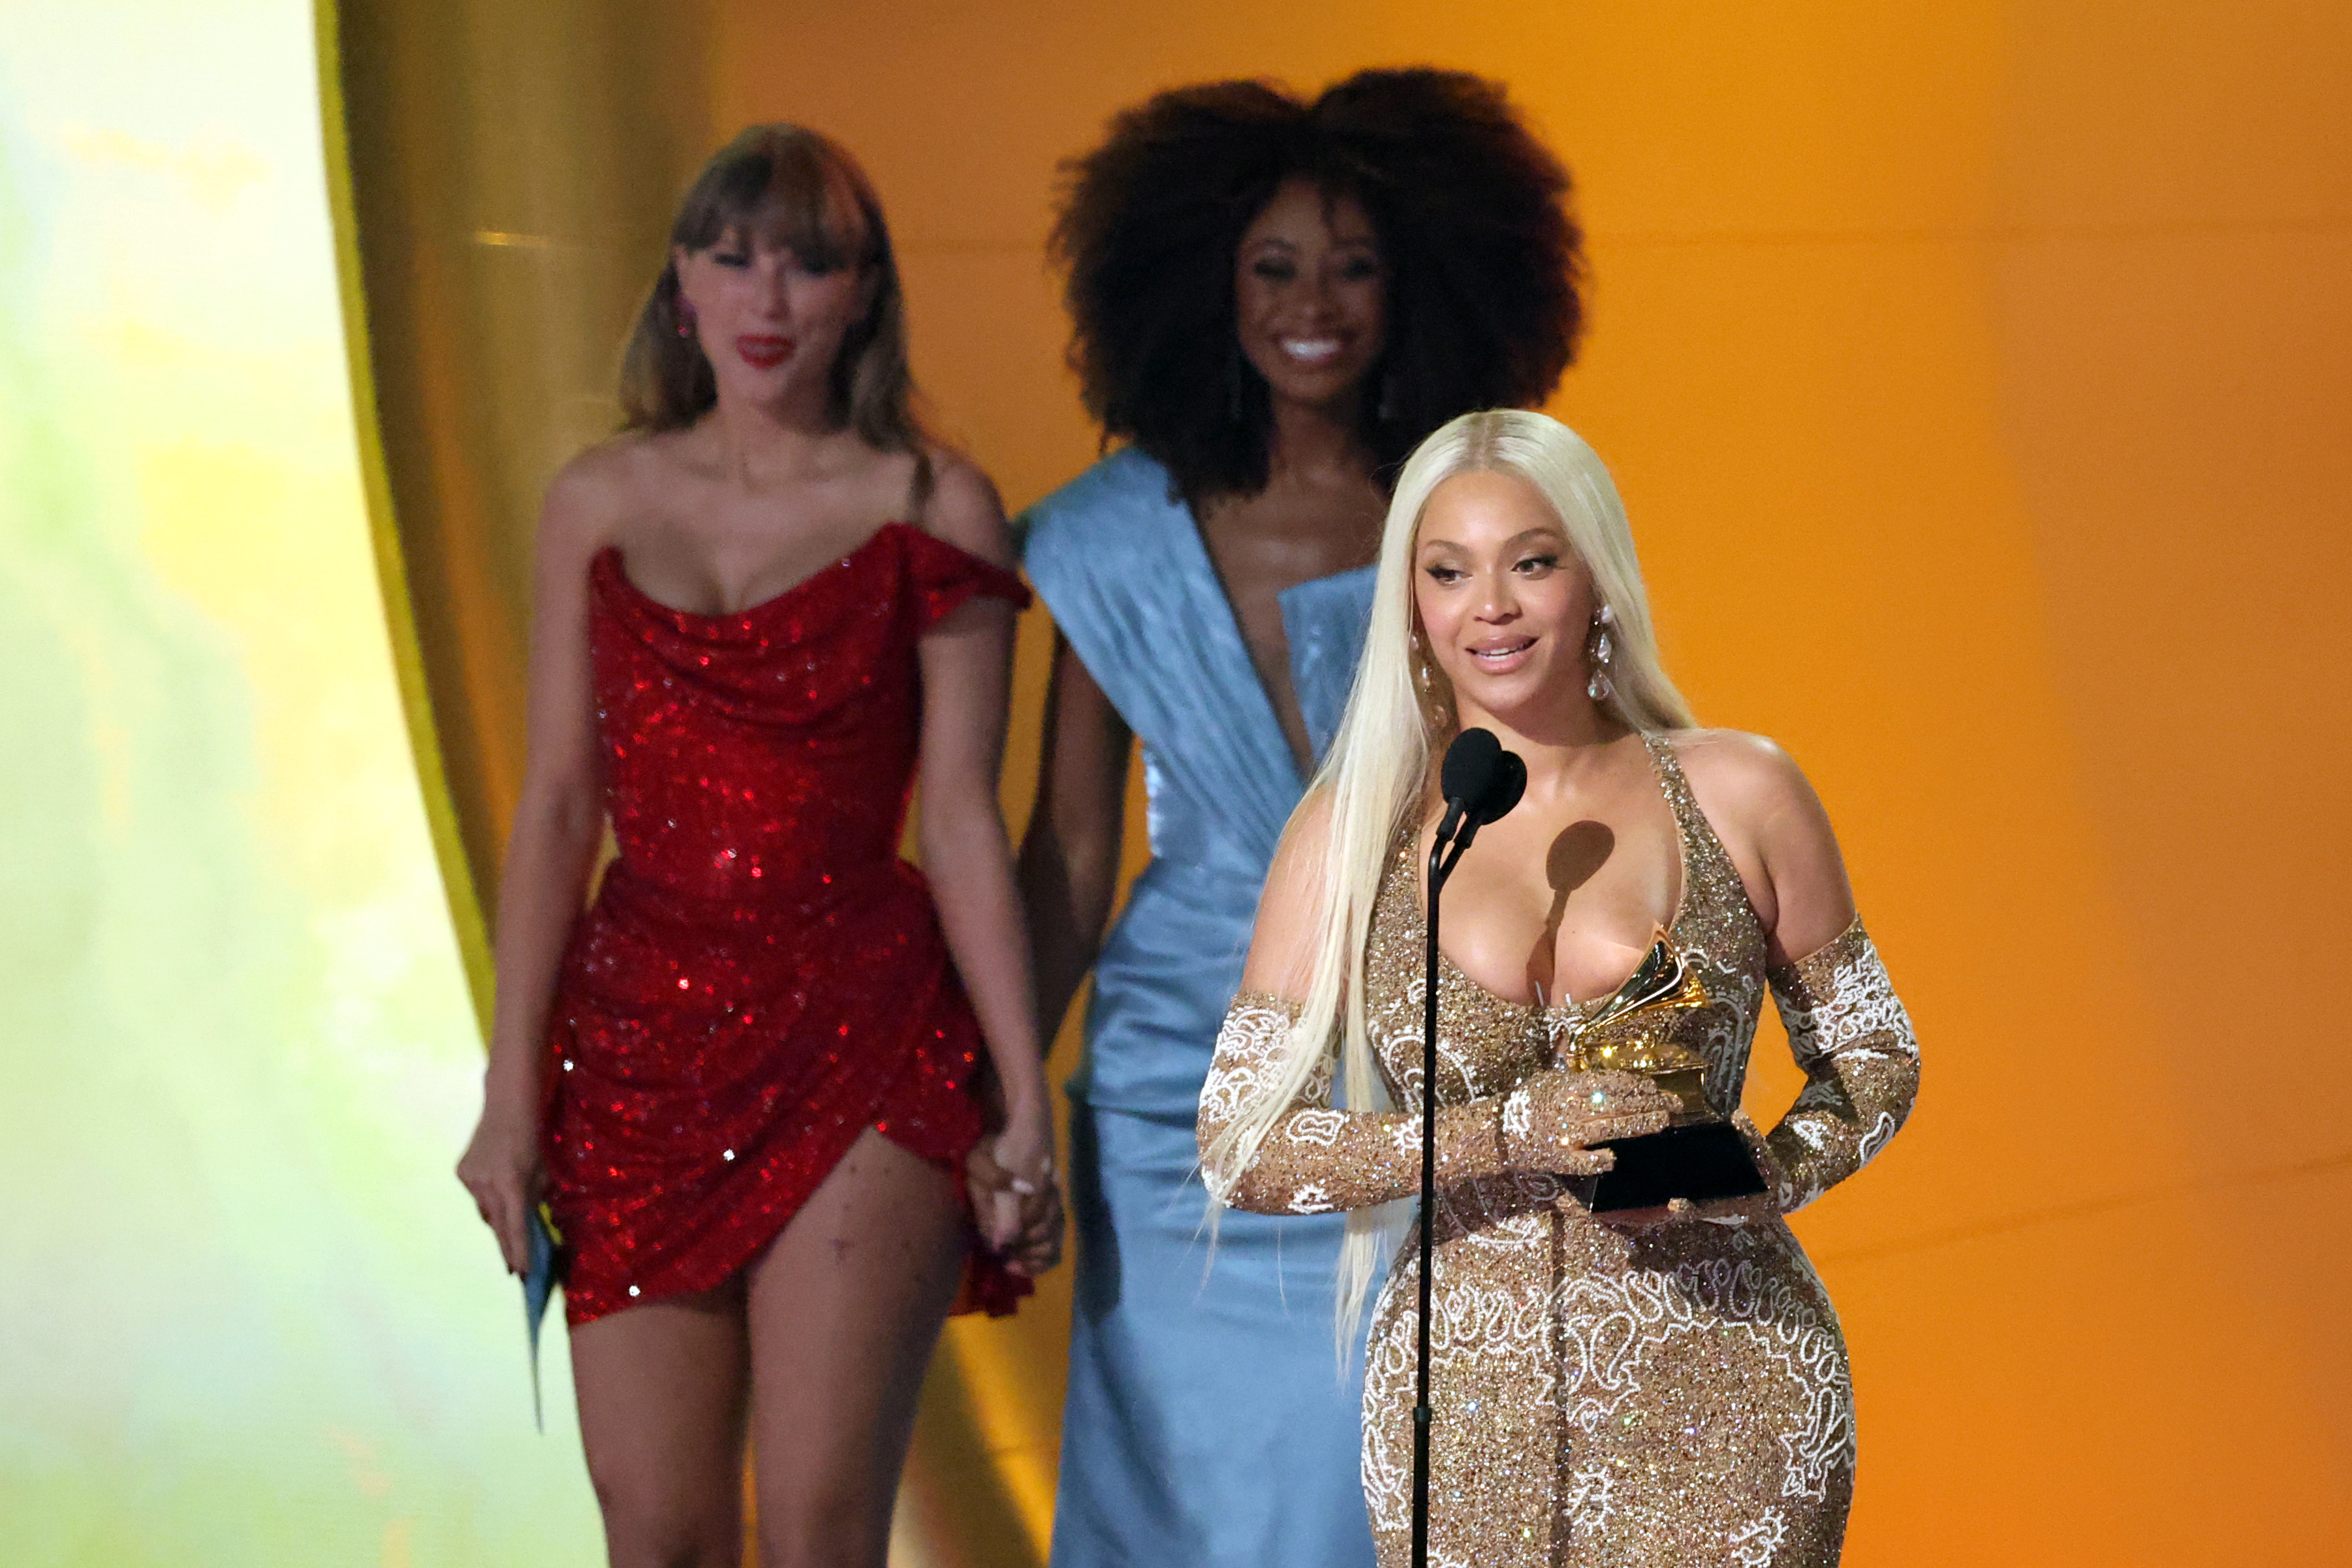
(746,1079)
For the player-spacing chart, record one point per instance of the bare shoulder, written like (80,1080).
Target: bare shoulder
(964,509)
(1308,833)
(1740,777)
(1767,817)
(590,495)
(1295,880)
(1290,914)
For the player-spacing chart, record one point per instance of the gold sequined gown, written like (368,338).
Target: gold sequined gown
(1666,1396)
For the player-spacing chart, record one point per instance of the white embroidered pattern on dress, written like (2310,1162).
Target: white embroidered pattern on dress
(1675,1392)
(1755,1546)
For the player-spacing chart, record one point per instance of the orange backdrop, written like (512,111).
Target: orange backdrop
(1979,380)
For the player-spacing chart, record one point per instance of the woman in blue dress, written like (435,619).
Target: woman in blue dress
(1273,302)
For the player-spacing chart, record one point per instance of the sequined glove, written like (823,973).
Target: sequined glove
(1849,1033)
(1553,1119)
(1315,1159)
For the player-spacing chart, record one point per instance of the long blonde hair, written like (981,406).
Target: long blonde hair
(1376,777)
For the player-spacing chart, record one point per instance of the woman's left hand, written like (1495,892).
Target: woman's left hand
(1674,1210)
(1015,1201)
(1038,1245)
(1681,1210)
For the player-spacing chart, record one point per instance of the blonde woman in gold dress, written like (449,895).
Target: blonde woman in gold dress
(1666,1387)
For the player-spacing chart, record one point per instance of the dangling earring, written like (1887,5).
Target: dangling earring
(1600,688)
(1387,411)
(685,319)
(1436,712)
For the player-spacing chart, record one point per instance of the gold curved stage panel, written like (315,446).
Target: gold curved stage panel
(509,170)
(1976,375)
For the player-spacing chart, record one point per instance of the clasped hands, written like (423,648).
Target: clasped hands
(1015,1201)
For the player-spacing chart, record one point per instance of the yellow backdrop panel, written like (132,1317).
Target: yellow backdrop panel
(244,1319)
(1977,376)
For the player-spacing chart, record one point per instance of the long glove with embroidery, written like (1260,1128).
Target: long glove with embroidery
(1848,1031)
(1316,1159)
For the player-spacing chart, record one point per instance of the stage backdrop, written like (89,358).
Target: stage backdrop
(1978,376)
(245,1318)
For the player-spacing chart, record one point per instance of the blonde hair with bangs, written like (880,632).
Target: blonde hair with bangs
(800,189)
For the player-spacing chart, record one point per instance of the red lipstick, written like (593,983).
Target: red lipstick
(763,352)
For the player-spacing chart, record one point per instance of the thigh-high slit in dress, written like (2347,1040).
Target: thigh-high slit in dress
(760,978)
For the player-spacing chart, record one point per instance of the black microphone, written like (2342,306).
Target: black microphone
(1481,782)
(1468,773)
(1503,791)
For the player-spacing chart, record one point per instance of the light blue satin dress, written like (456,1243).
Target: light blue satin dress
(1208,1423)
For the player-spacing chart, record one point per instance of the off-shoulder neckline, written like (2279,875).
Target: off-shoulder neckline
(613,555)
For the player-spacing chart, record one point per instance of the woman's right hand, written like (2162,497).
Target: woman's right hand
(500,1167)
(1553,1119)
(1015,1199)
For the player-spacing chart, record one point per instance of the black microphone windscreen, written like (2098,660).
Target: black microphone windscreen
(1510,784)
(1470,763)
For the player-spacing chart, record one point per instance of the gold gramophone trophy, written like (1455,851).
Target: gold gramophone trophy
(1633,1030)
(1700,1155)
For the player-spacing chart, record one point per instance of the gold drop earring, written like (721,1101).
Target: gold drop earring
(1435,709)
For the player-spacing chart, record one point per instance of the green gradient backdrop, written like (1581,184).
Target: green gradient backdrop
(246,1316)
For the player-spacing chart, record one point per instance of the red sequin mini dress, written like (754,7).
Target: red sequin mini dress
(760,978)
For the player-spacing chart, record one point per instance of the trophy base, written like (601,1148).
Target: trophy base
(1699,1161)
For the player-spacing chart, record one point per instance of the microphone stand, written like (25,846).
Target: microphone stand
(1441,866)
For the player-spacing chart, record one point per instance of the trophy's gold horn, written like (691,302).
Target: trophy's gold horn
(1664,980)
